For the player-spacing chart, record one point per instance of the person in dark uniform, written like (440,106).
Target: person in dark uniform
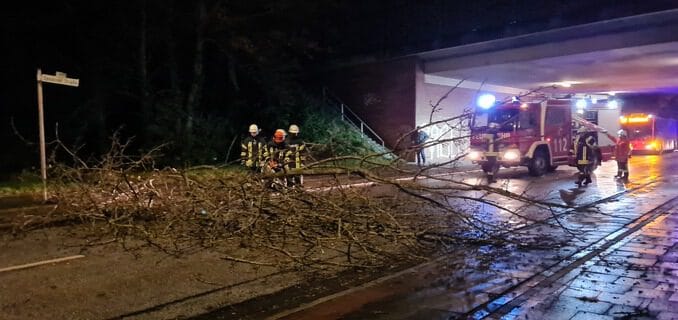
(296,155)
(492,166)
(419,138)
(277,157)
(584,148)
(253,150)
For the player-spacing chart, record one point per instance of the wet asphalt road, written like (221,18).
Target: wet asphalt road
(467,285)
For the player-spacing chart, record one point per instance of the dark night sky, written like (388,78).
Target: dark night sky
(255,56)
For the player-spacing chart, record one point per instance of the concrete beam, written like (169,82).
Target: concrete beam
(625,32)
(466,84)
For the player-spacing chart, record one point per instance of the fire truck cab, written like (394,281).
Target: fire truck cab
(538,135)
(649,133)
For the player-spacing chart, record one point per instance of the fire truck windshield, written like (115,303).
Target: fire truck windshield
(639,132)
(504,118)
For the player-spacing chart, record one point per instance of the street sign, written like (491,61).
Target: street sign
(59,78)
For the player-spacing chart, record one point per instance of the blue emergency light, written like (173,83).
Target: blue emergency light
(486,101)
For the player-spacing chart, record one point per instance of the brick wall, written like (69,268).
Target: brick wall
(383,94)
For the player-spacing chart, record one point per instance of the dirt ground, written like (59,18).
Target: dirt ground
(110,282)
(129,280)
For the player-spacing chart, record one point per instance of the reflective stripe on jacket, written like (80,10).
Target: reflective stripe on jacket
(583,149)
(252,152)
(278,153)
(296,153)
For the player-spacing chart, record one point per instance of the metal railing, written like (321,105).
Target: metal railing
(348,116)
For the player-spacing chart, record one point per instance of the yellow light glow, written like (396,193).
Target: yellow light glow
(638,119)
(634,119)
(474,155)
(512,155)
(652,145)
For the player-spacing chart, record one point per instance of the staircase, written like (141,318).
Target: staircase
(348,116)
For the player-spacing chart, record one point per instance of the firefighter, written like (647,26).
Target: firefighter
(584,147)
(622,153)
(296,149)
(492,165)
(253,150)
(277,160)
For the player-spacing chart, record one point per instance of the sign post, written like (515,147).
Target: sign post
(58,78)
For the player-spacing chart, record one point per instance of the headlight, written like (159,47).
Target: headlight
(652,145)
(474,155)
(511,155)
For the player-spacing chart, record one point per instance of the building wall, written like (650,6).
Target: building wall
(393,97)
(382,93)
(440,102)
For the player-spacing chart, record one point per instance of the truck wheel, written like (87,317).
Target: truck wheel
(539,163)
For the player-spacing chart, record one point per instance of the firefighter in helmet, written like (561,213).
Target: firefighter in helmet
(622,153)
(253,150)
(492,166)
(584,149)
(296,154)
(277,160)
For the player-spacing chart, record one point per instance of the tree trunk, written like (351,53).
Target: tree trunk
(144,87)
(173,68)
(194,93)
(232,75)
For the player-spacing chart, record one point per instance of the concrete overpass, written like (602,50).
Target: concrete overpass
(631,54)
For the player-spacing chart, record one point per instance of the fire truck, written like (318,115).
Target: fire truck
(538,135)
(649,133)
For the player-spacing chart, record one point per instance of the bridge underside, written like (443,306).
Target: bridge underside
(635,54)
(632,54)
(627,55)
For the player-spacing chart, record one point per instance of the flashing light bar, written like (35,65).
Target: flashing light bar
(635,119)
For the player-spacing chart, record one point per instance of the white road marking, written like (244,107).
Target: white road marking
(367,184)
(39,263)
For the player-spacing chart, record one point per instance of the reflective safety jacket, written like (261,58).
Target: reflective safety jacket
(583,149)
(252,152)
(622,149)
(296,151)
(277,155)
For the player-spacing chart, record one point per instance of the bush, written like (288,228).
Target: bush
(330,136)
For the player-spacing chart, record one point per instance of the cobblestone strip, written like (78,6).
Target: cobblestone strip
(516,296)
(637,278)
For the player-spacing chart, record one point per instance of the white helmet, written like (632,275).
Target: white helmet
(293,129)
(254,128)
(621,133)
